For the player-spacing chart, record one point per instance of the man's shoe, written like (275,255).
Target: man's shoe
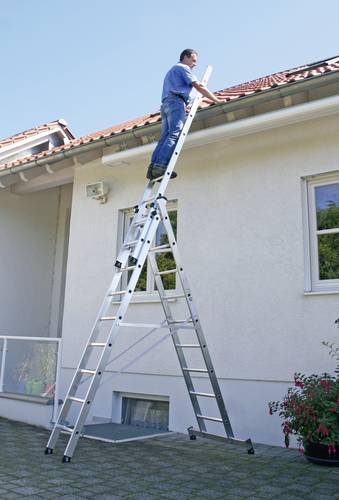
(149,172)
(159,171)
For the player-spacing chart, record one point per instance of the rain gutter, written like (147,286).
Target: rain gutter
(318,105)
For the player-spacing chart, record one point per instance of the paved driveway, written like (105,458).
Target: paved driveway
(163,467)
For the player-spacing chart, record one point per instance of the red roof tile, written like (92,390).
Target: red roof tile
(230,94)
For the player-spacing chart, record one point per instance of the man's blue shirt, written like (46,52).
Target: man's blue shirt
(178,80)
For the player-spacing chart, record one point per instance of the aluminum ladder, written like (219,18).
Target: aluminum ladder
(137,245)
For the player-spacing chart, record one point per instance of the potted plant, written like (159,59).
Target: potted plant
(310,410)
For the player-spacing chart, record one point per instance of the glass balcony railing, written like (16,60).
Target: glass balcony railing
(29,366)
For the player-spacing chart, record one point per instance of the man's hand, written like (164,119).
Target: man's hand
(216,100)
(219,100)
(206,93)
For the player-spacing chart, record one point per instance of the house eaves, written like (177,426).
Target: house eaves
(209,116)
(259,123)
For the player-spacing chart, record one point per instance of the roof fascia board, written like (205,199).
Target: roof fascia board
(34,140)
(274,119)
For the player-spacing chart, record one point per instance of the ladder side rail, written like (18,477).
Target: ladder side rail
(175,337)
(191,114)
(143,234)
(104,358)
(131,233)
(176,152)
(140,211)
(74,385)
(76,380)
(196,320)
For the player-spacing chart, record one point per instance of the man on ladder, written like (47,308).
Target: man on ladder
(177,87)
(137,246)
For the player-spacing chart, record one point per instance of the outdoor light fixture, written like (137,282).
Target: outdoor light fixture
(97,191)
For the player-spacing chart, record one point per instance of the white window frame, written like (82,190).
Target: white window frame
(312,282)
(151,294)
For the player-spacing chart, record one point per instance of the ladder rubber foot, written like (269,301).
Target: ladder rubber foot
(66,459)
(118,264)
(250,451)
(193,437)
(48,451)
(133,261)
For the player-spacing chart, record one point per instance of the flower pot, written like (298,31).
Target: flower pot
(28,387)
(37,388)
(317,453)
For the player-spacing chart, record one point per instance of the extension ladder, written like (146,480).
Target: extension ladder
(137,246)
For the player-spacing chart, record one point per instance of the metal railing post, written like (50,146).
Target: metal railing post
(3,361)
(56,389)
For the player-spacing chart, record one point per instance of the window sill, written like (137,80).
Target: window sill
(323,292)
(28,398)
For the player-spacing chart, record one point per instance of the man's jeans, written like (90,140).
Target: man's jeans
(173,116)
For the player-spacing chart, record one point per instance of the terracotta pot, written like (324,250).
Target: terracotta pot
(318,454)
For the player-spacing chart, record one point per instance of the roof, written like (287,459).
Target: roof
(17,138)
(231,94)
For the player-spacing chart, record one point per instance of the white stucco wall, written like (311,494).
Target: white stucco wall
(240,233)
(32,257)
(28,231)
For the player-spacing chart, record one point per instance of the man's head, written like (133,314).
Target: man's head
(189,57)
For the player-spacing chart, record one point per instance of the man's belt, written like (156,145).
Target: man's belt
(179,95)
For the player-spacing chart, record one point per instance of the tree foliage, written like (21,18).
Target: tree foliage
(328,244)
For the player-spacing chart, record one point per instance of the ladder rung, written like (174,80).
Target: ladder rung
(64,428)
(147,200)
(113,294)
(204,394)
(107,318)
(130,243)
(162,273)
(160,248)
(143,325)
(88,372)
(77,400)
(97,344)
(140,222)
(128,268)
(199,370)
(178,296)
(214,419)
(188,345)
(180,321)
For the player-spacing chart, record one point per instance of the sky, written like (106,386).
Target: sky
(99,63)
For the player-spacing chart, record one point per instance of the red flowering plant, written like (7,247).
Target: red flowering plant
(310,410)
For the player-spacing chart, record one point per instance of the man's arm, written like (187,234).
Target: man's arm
(206,93)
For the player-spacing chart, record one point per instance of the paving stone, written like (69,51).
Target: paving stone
(170,467)
(26,490)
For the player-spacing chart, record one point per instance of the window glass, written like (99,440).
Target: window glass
(327,206)
(165,260)
(328,248)
(145,413)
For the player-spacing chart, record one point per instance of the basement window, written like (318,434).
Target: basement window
(149,414)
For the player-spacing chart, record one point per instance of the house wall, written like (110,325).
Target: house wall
(31,228)
(240,233)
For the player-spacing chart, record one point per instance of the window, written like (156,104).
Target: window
(146,283)
(149,414)
(322,234)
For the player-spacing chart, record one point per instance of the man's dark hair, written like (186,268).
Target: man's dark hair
(187,53)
